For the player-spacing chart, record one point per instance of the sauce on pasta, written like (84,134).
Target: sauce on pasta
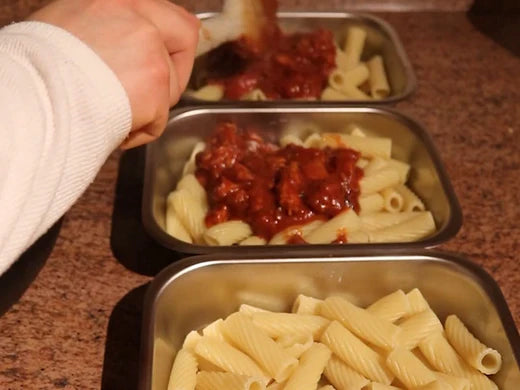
(270,187)
(290,65)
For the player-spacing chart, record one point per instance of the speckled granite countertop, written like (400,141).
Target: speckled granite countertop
(77,326)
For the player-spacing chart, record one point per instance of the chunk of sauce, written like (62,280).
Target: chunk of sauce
(290,66)
(272,188)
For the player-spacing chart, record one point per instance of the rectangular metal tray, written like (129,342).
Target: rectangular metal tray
(165,159)
(381,39)
(192,293)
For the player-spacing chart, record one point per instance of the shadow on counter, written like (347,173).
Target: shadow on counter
(499,20)
(121,361)
(19,277)
(130,243)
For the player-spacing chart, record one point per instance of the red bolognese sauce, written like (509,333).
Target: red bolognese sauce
(271,187)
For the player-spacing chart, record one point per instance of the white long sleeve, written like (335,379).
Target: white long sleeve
(62,112)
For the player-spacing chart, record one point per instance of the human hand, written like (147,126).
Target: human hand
(149,45)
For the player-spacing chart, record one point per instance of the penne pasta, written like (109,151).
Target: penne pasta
(253,240)
(184,371)
(207,380)
(300,231)
(341,224)
(310,368)
(278,324)
(476,354)
(409,369)
(210,92)
(379,87)
(227,233)
(342,376)
(355,353)
(361,322)
(370,204)
(411,202)
(353,47)
(244,334)
(415,328)
(392,200)
(413,229)
(391,307)
(306,305)
(190,211)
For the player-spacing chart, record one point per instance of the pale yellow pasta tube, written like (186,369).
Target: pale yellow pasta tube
(376,164)
(402,168)
(411,202)
(190,212)
(342,224)
(370,204)
(413,229)
(327,387)
(332,94)
(353,47)
(255,94)
(367,146)
(191,340)
(354,93)
(355,353)
(476,354)
(190,165)
(253,240)
(214,329)
(393,201)
(190,183)
(245,335)
(380,220)
(227,233)
(314,140)
(296,344)
(306,305)
(391,307)
(228,358)
(361,322)
(285,235)
(417,301)
(278,324)
(409,369)
(378,181)
(342,61)
(456,382)
(435,385)
(208,380)
(342,376)
(440,354)
(174,227)
(380,386)
(308,372)
(184,371)
(210,92)
(379,87)
(250,309)
(356,76)
(417,327)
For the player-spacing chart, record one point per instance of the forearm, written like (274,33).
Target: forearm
(63,111)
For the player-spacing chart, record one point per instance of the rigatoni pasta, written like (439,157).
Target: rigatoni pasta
(315,188)
(260,349)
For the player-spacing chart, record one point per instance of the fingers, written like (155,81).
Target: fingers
(179,31)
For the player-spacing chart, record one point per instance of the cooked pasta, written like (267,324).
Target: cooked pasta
(244,334)
(228,358)
(361,322)
(344,52)
(310,368)
(342,376)
(183,375)
(476,354)
(386,211)
(207,380)
(355,353)
(409,369)
(258,349)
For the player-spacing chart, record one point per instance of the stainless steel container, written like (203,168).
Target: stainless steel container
(381,39)
(190,294)
(165,159)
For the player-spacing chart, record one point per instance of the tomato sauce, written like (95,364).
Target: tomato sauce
(290,66)
(272,188)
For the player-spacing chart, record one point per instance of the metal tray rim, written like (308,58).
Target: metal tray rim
(190,264)
(450,230)
(411,83)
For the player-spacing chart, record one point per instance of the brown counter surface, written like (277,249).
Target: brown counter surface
(468,97)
